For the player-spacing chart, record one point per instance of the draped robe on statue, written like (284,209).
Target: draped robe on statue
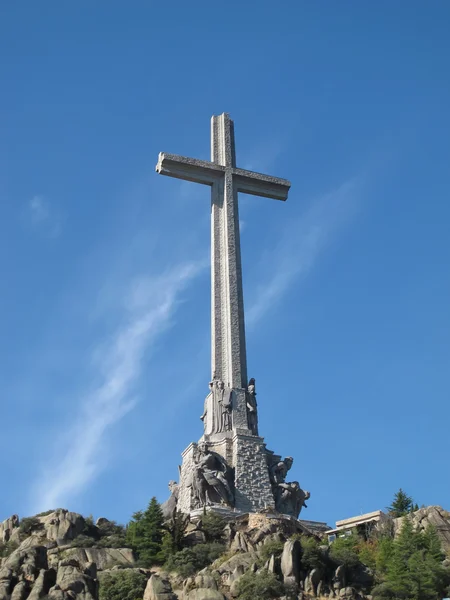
(217,414)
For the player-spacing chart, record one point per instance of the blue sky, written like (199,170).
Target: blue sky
(104,308)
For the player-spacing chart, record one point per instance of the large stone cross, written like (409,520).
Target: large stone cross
(228,353)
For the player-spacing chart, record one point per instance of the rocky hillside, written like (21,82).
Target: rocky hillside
(64,556)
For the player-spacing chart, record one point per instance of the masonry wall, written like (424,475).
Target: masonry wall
(253,488)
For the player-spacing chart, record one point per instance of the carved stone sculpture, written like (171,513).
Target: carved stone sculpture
(279,470)
(217,414)
(169,507)
(290,498)
(252,407)
(212,479)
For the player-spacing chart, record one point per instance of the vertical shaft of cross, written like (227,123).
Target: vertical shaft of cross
(228,352)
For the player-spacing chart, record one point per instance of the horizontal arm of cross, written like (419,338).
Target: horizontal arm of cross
(190,169)
(258,184)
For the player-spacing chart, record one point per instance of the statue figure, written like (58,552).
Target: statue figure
(169,507)
(290,498)
(252,407)
(278,471)
(217,412)
(212,479)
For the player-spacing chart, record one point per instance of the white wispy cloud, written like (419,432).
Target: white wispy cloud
(149,306)
(301,244)
(43,216)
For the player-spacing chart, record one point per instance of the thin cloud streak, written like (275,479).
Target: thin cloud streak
(43,216)
(301,245)
(149,308)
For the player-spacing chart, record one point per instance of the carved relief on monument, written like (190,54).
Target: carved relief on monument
(252,407)
(289,497)
(217,413)
(212,480)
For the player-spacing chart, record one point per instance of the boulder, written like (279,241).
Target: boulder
(102,521)
(430,515)
(62,526)
(104,558)
(45,580)
(240,543)
(348,593)
(313,581)
(233,580)
(290,562)
(30,560)
(74,580)
(238,560)
(7,528)
(205,581)
(159,588)
(21,590)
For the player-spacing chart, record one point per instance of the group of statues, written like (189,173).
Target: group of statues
(211,479)
(289,497)
(217,415)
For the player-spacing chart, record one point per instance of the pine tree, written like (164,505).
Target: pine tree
(401,505)
(145,533)
(404,547)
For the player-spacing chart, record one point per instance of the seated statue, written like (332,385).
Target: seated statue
(212,481)
(290,498)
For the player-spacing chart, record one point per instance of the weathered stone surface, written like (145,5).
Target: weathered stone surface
(205,581)
(62,526)
(431,515)
(34,558)
(104,558)
(348,593)
(46,579)
(21,590)
(7,528)
(102,521)
(240,543)
(238,560)
(290,562)
(5,589)
(313,581)
(159,588)
(169,507)
(74,580)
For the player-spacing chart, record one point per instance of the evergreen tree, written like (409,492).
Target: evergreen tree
(401,505)
(403,549)
(145,533)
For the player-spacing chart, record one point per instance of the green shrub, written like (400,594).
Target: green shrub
(312,556)
(343,551)
(7,548)
(125,584)
(47,512)
(29,524)
(262,585)
(83,541)
(189,561)
(213,526)
(274,547)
